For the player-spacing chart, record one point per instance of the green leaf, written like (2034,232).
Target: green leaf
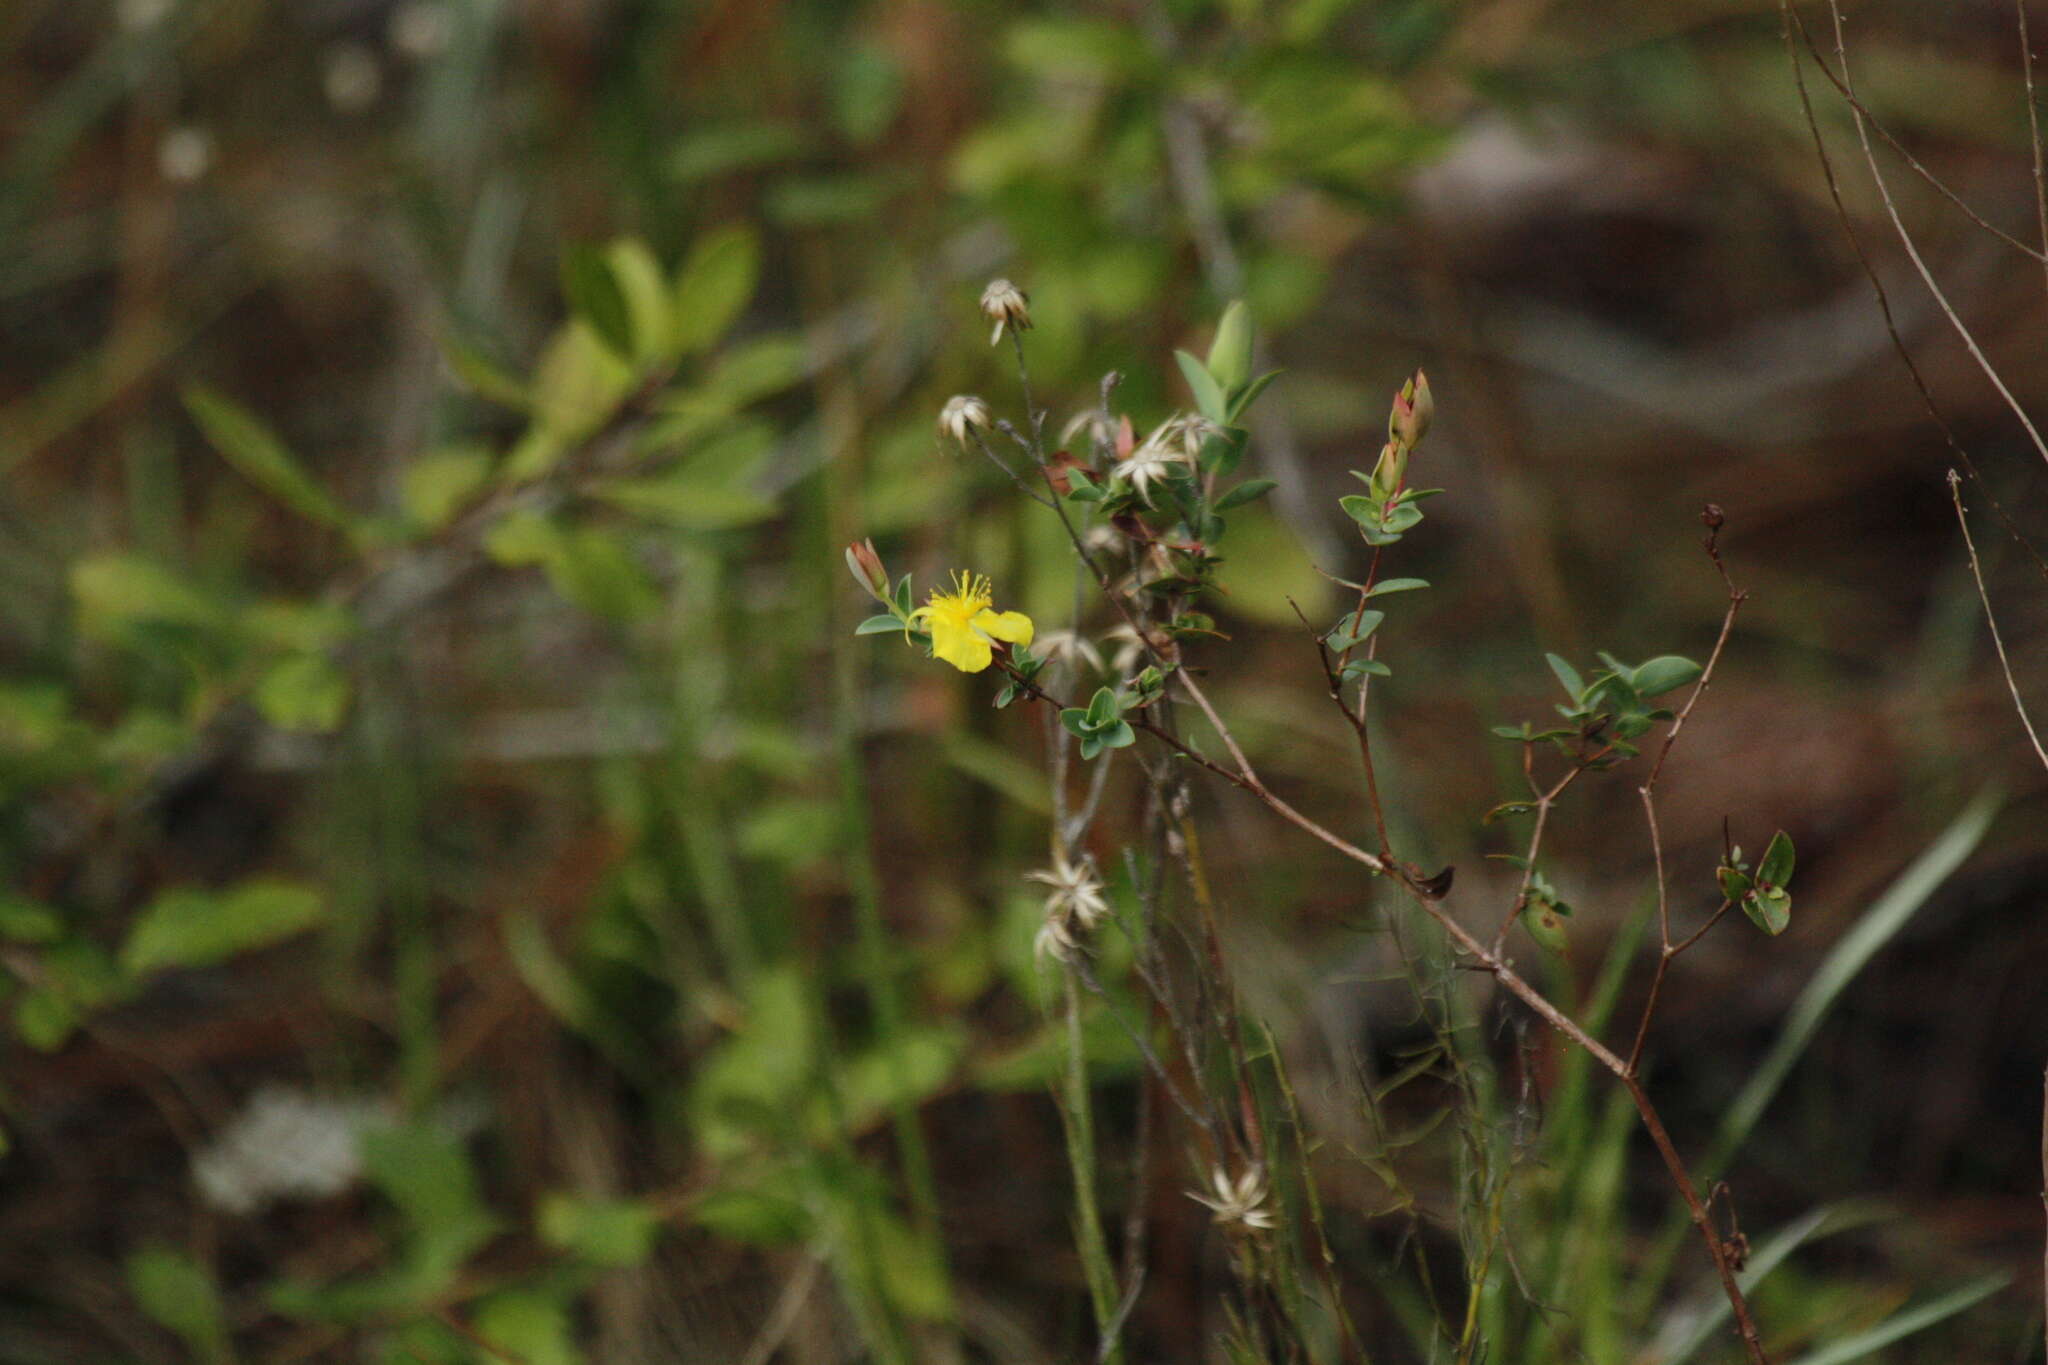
(483,376)
(437,486)
(688,504)
(44,1019)
(1361,509)
(1775,867)
(596,296)
(424,1171)
(1242,400)
(578,384)
(254,450)
(305,693)
(1505,809)
(1353,629)
(610,1232)
(33,716)
(808,201)
(879,625)
(714,284)
(1546,926)
(1208,397)
(523,538)
(1103,708)
(793,830)
(1393,585)
(180,1294)
(1251,490)
(192,928)
(1734,884)
(1065,48)
(754,1217)
(26,921)
(867,91)
(1222,451)
(753,1084)
(593,569)
(748,371)
(1769,908)
(1663,674)
(531,1326)
(716,150)
(1230,353)
(1359,668)
(645,290)
(1574,686)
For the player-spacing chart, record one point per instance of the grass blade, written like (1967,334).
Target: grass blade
(1905,1324)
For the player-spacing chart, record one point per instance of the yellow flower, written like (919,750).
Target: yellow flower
(963,623)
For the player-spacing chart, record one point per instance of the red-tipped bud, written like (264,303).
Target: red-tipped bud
(1413,407)
(866,567)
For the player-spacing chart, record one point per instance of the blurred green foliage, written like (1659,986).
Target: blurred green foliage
(431,429)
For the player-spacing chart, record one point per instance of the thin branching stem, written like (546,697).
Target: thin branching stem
(1846,85)
(1883,296)
(1484,959)
(1955,490)
(2034,132)
(1667,950)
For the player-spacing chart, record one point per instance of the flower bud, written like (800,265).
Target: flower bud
(867,570)
(1408,423)
(1005,305)
(963,414)
(1230,354)
(1392,470)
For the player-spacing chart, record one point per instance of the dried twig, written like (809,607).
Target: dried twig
(1977,575)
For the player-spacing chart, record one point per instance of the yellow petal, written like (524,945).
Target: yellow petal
(963,649)
(1012,626)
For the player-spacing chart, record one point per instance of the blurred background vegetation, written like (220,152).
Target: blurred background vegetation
(467,896)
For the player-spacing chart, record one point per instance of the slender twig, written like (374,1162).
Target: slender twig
(1014,477)
(782,1317)
(2005,664)
(1846,86)
(1884,303)
(1487,961)
(1646,793)
(2034,131)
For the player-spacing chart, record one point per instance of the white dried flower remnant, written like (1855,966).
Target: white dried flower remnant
(1057,940)
(1093,423)
(1130,647)
(351,77)
(1074,905)
(421,30)
(1185,432)
(963,414)
(285,1144)
(136,15)
(1076,893)
(1176,441)
(1068,647)
(184,155)
(1005,305)
(1148,464)
(1241,1201)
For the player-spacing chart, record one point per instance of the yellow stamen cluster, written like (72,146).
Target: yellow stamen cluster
(964,624)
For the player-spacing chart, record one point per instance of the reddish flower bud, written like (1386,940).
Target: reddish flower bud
(867,570)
